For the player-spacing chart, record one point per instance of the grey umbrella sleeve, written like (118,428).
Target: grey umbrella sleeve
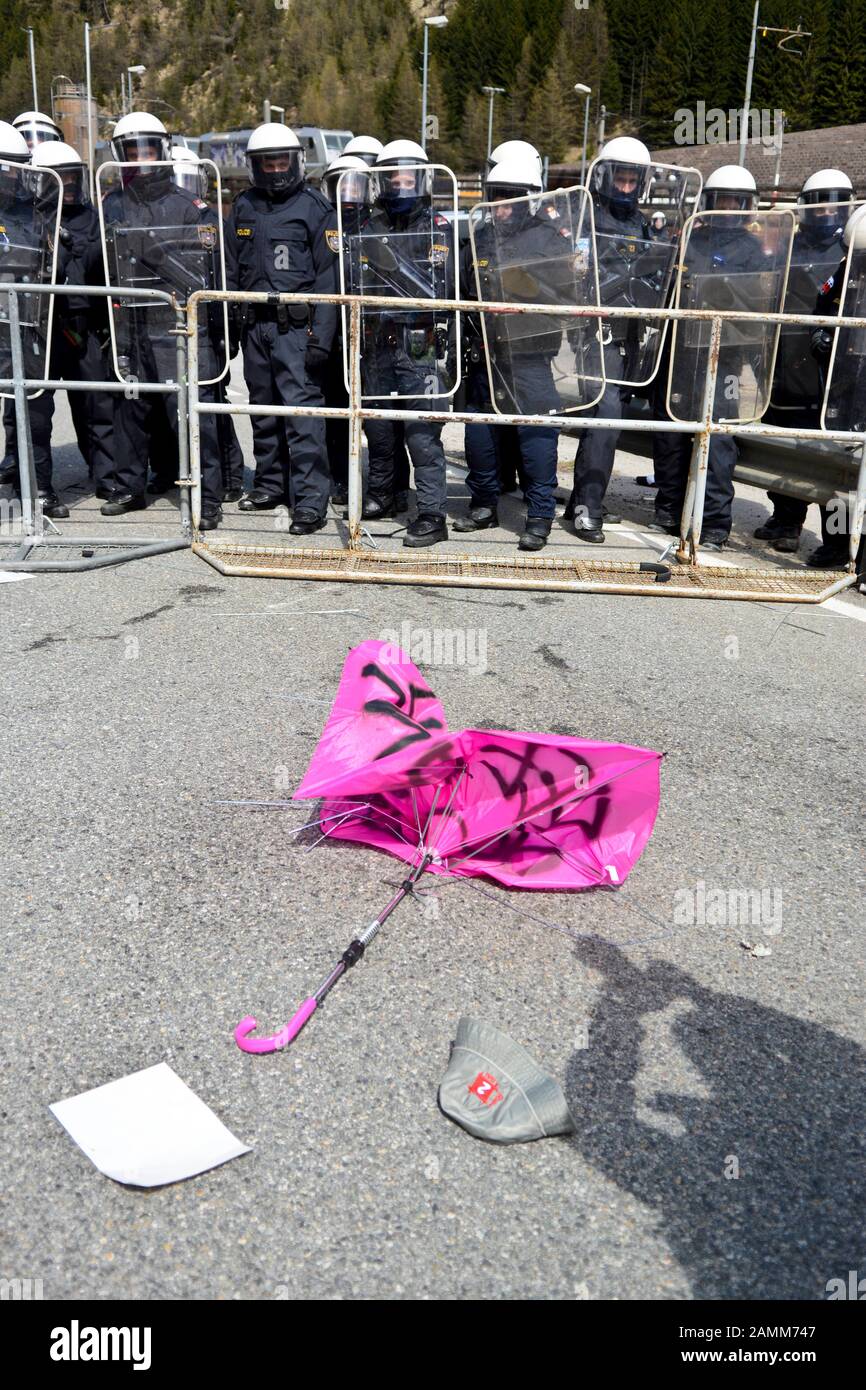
(496,1091)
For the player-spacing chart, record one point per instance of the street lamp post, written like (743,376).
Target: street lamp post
(436,21)
(29,33)
(138,69)
(492,93)
(744,128)
(582,89)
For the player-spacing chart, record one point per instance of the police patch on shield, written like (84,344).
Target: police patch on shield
(332,237)
(439,253)
(207,235)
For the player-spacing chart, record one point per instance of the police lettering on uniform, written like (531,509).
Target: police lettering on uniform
(822,211)
(277,241)
(157,236)
(513,236)
(721,249)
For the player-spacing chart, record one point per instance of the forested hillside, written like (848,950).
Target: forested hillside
(357,63)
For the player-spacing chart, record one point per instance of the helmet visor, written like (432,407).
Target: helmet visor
(729,200)
(73,177)
(276,171)
(401,185)
(141,149)
(824,207)
(38,132)
(191,178)
(623,186)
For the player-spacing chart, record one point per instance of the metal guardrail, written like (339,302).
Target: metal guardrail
(356,412)
(191,407)
(35,537)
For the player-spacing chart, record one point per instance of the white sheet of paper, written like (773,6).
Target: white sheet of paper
(147,1129)
(10,576)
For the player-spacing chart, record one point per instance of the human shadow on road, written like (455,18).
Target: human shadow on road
(786,1101)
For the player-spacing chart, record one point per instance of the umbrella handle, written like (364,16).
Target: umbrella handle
(276,1040)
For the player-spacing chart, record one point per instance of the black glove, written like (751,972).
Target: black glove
(66,237)
(822,344)
(315,359)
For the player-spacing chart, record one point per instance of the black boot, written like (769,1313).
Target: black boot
(305,521)
(378,508)
(479,519)
(259,501)
(535,533)
(210,519)
(589,528)
(428,528)
(123,502)
(52,506)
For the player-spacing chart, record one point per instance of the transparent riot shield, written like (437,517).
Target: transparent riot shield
(538,250)
(730,262)
(157,236)
(637,260)
(845,397)
(402,251)
(30,206)
(798,380)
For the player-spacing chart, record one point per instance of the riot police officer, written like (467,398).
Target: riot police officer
(833,552)
(80,331)
(27,253)
(276,241)
(619,183)
(822,211)
(400,349)
(353,192)
(178,254)
(514,235)
(717,247)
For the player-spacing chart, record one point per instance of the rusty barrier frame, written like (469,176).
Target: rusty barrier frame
(356,412)
(34,536)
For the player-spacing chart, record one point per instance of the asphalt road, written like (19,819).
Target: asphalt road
(718,1095)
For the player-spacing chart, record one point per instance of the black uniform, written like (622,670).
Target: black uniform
(833,551)
(78,340)
(619,241)
(278,244)
(715,250)
(145,340)
(797,388)
(400,353)
(526,375)
(26,248)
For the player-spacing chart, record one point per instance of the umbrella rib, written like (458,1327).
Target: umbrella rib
(452,796)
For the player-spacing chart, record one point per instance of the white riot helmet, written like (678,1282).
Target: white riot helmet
(140,138)
(405,178)
(354,188)
(855,230)
(13,146)
(730,189)
(67,162)
(36,128)
(13,152)
(824,203)
(515,149)
(512,177)
(621,175)
(188,172)
(275,160)
(365,147)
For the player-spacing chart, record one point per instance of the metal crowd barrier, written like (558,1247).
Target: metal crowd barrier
(685,579)
(97,551)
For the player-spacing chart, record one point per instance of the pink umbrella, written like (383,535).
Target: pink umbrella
(526,810)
